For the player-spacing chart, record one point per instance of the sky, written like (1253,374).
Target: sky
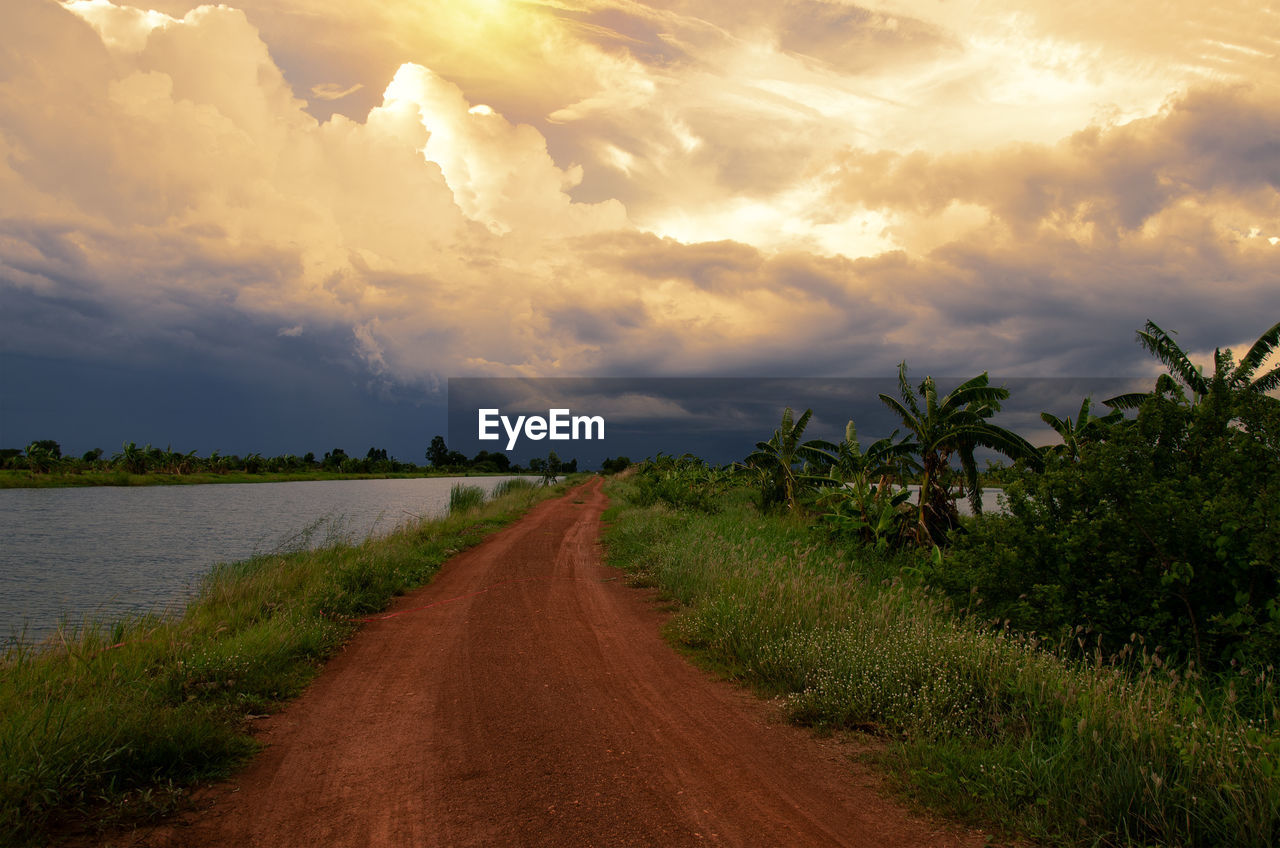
(284,225)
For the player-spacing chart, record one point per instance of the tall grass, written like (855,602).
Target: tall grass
(463,498)
(996,727)
(113,720)
(514,484)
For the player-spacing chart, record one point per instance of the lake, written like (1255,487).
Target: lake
(106,551)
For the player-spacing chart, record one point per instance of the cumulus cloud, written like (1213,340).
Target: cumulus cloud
(182,168)
(698,192)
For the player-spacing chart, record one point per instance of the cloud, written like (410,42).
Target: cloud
(333,91)
(698,195)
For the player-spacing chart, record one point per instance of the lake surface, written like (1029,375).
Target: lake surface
(105,551)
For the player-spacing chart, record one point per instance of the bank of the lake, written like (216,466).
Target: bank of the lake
(21,479)
(117,720)
(67,554)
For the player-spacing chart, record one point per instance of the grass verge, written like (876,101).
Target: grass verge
(1001,730)
(113,722)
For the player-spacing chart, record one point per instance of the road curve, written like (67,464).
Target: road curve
(526,698)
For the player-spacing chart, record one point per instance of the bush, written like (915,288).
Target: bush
(1169,528)
(684,482)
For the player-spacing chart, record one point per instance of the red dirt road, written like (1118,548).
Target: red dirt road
(538,706)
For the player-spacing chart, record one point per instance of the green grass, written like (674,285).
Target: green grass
(11,479)
(463,498)
(515,484)
(115,721)
(999,729)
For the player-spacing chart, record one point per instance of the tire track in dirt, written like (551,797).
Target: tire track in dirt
(546,711)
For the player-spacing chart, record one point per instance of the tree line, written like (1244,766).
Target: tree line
(45,456)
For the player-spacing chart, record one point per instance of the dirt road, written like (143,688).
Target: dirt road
(534,703)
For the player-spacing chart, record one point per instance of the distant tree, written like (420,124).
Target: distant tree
(309,459)
(438,452)
(614,466)
(49,445)
(551,468)
(40,459)
(571,467)
(377,455)
(217,463)
(92,456)
(456,459)
(333,459)
(496,461)
(132,458)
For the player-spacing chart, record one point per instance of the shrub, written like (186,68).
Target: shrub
(1169,528)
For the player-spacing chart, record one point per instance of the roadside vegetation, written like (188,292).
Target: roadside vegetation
(1093,665)
(114,721)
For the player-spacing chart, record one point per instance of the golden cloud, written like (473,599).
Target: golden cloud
(679,192)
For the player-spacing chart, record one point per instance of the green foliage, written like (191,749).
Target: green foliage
(684,483)
(463,498)
(438,452)
(941,427)
(988,723)
(863,502)
(45,465)
(1086,428)
(774,462)
(497,461)
(515,484)
(41,458)
(1169,528)
(615,466)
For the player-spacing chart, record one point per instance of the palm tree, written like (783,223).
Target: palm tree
(777,458)
(1228,378)
(954,424)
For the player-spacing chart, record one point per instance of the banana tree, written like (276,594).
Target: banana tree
(40,459)
(862,501)
(1228,377)
(133,459)
(1086,428)
(952,425)
(775,461)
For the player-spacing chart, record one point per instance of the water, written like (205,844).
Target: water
(990,501)
(107,551)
